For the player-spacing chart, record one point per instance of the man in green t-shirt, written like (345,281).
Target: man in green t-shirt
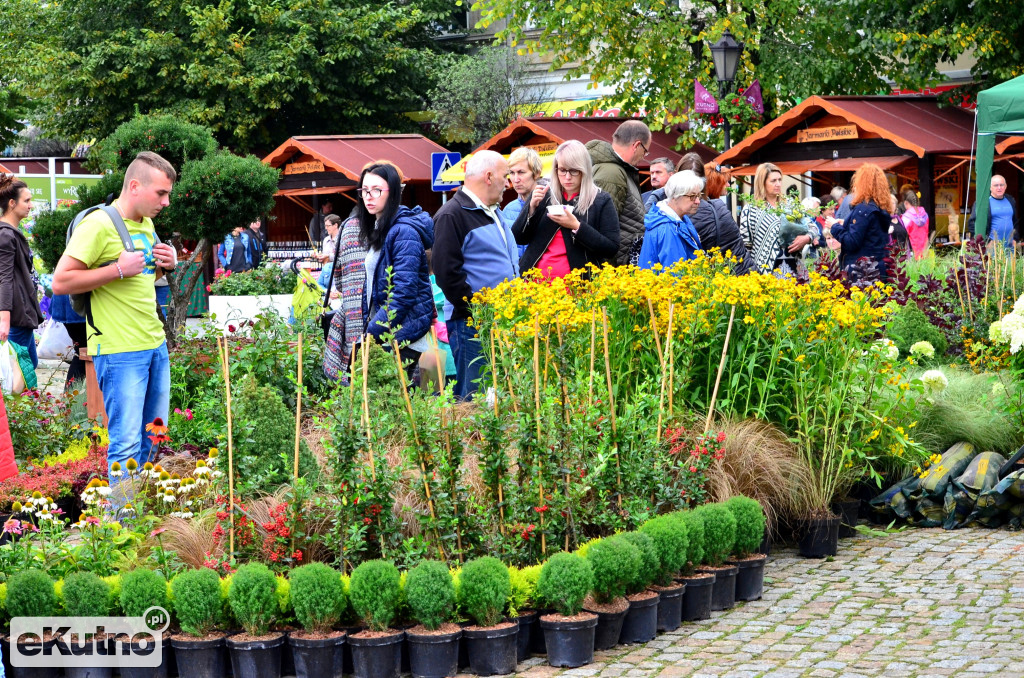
(127,342)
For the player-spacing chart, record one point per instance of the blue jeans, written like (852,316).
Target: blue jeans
(469,361)
(136,390)
(162,292)
(25,336)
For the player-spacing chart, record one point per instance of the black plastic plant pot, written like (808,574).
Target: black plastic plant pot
(750,577)
(537,645)
(79,649)
(670,607)
(161,671)
(377,657)
(527,620)
(697,597)
(492,650)
(202,658)
(433,655)
(317,657)
(45,646)
(641,622)
(255,658)
(821,537)
(570,640)
(723,592)
(5,647)
(848,511)
(609,629)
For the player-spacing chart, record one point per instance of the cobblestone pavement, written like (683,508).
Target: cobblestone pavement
(923,602)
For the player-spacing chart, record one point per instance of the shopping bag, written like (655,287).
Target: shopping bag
(55,343)
(11,378)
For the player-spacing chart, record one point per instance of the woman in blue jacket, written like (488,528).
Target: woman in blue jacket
(397,295)
(865,231)
(669,235)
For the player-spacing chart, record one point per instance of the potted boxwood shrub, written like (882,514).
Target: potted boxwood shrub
(670,537)
(491,641)
(318,598)
(699,585)
(750,524)
(434,643)
(199,649)
(565,581)
(30,593)
(375,592)
(719,539)
(256,652)
(614,562)
(141,590)
(641,622)
(86,595)
(521,605)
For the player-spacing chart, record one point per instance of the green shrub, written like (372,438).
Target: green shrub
(485,589)
(750,523)
(522,589)
(695,536)
(719,533)
(142,589)
(430,592)
(253,598)
(565,580)
(668,532)
(375,591)
(910,325)
(317,596)
(86,595)
(648,561)
(615,562)
(30,593)
(175,140)
(197,602)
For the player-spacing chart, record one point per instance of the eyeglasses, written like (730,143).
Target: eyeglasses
(370,192)
(646,148)
(694,196)
(569,172)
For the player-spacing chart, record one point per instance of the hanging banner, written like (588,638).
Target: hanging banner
(704,102)
(754,98)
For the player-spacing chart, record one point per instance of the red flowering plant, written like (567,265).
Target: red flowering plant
(54,480)
(735,109)
(691,455)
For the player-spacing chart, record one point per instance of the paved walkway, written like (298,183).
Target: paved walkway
(923,602)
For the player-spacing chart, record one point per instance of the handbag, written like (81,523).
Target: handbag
(327,314)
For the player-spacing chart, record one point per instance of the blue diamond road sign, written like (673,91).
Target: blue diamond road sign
(439,164)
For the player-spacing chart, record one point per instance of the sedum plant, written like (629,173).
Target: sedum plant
(719,533)
(253,599)
(565,580)
(485,588)
(197,601)
(317,596)
(750,524)
(615,562)
(375,591)
(670,537)
(648,561)
(31,593)
(86,595)
(430,592)
(142,589)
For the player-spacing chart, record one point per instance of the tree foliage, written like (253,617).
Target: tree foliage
(254,73)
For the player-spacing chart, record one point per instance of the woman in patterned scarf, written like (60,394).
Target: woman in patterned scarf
(349,276)
(761,220)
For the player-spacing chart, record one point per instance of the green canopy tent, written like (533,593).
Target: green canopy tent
(1000,111)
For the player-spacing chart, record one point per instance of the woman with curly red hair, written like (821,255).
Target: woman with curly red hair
(865,232)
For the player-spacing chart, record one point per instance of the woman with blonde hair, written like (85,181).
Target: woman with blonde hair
(761,221)
(865,233)
(569,222)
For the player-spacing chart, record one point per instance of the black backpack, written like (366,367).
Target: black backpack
(82,303)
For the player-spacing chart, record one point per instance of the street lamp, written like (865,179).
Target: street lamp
(726,54)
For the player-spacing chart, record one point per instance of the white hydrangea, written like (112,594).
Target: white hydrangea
(1018,306)
(995,332)
(887,349)
(923,349)
(935,381)
(1017,340)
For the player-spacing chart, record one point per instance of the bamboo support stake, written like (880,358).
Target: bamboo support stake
(508,378)
(593,342)
(661,393)
(654,326)
(611,405)
(670,349)
(366,408)
(435,347)
(536,416)
(222,348)
(565,414)
(494,382)
(298,412)
(721,368)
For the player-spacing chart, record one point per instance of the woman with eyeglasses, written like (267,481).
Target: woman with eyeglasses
(397,295)
(761,222)
(669,235)
(569,222)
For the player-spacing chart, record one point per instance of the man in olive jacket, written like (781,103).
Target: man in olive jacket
(615,172)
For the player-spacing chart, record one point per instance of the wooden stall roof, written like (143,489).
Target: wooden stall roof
(535,131)
(917,124)
(1011,146)
(5,170)
(348,154)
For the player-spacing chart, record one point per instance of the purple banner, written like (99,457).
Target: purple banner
(705,103)
(753,97)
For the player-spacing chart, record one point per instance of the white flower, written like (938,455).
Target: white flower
(1017,340)
(923,349)
(169,497)
(1018,306)
(201,471)
(103,491)
(995,332)
(887,349)
(998,389)
(935,381)
(1011,323)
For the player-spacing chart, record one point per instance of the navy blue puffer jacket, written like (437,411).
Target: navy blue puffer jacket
(864,233)
(412,299)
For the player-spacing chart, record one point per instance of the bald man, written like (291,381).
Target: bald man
(1003,220)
